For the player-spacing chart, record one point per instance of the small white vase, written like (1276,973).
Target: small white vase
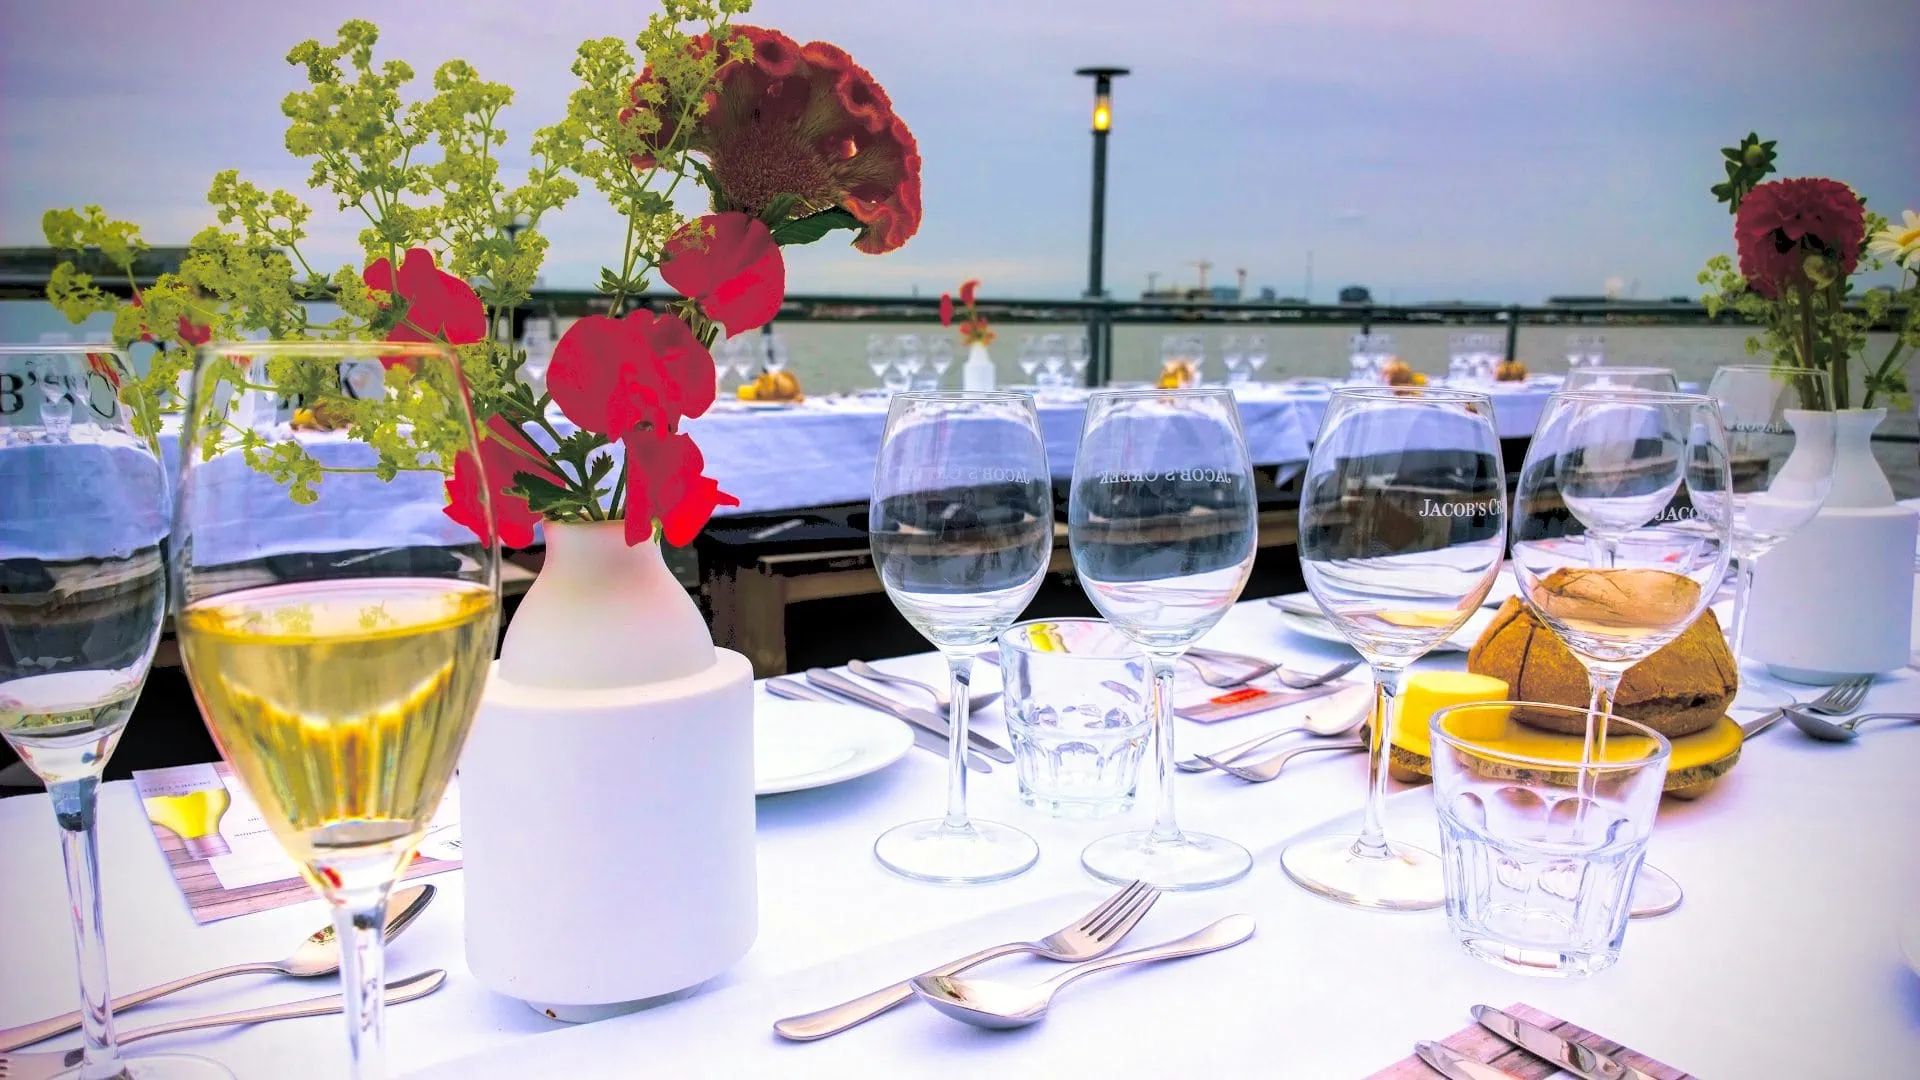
(606,790)
(977,373)
(1835,599)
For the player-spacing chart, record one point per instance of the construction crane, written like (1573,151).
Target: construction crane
(1204,265)
(1240,283)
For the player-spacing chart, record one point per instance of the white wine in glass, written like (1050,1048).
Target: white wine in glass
(338,649)
(1402,531)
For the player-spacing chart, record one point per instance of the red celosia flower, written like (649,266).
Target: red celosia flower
(610,374)
(440,307)
(730,264)
(504,451)
(967,290)
(1782,223)
(946,309)
(806,121)
(665,481)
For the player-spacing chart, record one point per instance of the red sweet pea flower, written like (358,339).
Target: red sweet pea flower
(805,121)
(504,451)
(1783,223)
(946,309)
(440,307)
(610,374)
(730,264)
(967,290)
(665,481)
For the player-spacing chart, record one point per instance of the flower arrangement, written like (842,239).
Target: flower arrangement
(1510,371)
(974,329)
(789,141)
(1799,243)
(1397,372)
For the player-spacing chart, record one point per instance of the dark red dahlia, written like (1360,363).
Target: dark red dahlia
(1783,223)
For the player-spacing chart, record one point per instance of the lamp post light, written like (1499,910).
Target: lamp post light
(1099,330)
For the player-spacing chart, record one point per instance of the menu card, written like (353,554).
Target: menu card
(225,859)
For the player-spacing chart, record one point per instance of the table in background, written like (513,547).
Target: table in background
(1799,868)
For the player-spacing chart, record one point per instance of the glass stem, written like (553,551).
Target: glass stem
(359,924)
(73,807)
(959,713)
(1604,684)
(1165,829)
(1387,682)
(1742,592)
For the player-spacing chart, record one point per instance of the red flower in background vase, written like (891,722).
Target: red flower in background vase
(504,451)
(804,121)
(440,307)
(609,375)
(946,309)
(1783,223)
(967,290)
(730,264)
(665,480)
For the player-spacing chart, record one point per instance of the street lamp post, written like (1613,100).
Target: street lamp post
(1099,330)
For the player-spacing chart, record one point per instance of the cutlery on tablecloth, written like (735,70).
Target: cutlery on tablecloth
(1266,769)
(989,1004)
(1454,1065)
(1245,669)
(942,701)
(45,1066)
(1582,1061)
(1342,713)
(1093,935)
(1477,1045)
(931,741)
(835,683)
(1845,730)
(1840,699)
(318,955)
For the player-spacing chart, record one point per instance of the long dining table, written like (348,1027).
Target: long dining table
(1799,866)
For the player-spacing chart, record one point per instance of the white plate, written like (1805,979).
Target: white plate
(1910,941)
(1320,628)
(809,744)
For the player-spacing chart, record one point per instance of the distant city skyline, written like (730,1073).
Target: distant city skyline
(1472,151)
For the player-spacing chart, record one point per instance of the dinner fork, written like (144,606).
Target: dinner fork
(1092,935)
(1262,771)
(1840,699)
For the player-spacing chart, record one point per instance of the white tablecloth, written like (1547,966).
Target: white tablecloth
(1799,867)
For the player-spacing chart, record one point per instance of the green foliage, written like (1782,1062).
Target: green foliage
(814,226)
(1748,163)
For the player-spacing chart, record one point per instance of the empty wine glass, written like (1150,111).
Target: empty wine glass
(1161,518)
(1595,377)
(1622,526)
(1029,356)
(1358,362)
(1402,531)
(1256,354)
(1054,355)
(1077,357)
(962,530)
(83,528)
(879,357)
(911,358)
(1196,353)
(1233,359)
(1781,458)
(939,357)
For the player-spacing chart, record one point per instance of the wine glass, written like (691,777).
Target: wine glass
(961,525)
(747,355)
(1622,378)
(1256,354)
(1196,353)
(1232,359)
(776,353)
(83,531)
(879,357)
(1161,518)
(911,358)
(1077,357)
(338,653)
(1782,470)
(939,358)
(1622,526)
(1402,532)
(1053,353)
(1029,357)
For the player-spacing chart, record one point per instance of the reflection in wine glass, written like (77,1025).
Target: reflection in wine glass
(1402,530)
(961,525)
(1162,522)
(337,649)
(1780,446)
(1595,377)
(83,525)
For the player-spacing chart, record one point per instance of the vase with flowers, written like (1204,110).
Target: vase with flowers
(975,333)
(607,794)
(1836,598)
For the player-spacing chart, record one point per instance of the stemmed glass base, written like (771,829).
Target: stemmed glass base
(163,1067)
(1341,868)
(968,854)
(1752,695)
(1187,862)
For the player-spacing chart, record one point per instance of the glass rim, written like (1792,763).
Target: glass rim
(1662,746)
(1414,393)
(1154,391)
(1026,646)
(1638,369)
(1617,393)
(78,348)
(323,346)
(962,395)
(1790,369)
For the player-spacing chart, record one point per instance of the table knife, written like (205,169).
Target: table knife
(1582,1061)
(1454,1065)
(836,683)
(932,742)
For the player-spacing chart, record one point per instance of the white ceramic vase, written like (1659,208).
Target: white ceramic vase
(1835,599)
(977,373)
(606,791)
